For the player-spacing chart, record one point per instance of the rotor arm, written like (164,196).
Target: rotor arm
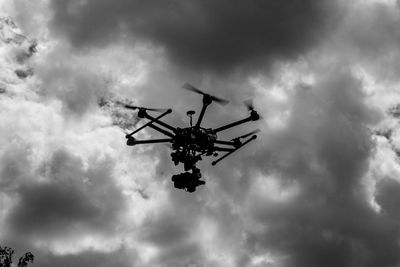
(228,143)
(156,120)
(167,133)
(253,117)
(217,148)
(230,152)
(233,124)
(206,101)
(132,141)
(149,123)
(203,110)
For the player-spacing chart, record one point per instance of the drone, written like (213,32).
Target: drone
(190,144)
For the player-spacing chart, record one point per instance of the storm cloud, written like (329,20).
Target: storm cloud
(120,258)
(201,35)
(69,194)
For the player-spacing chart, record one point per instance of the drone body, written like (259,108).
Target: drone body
(189,144)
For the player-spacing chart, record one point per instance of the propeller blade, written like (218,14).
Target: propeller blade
(248,134)
(190,87)
(249,104)
(219,100)
(150,109)
(156,109)
(130,107)
(118,102)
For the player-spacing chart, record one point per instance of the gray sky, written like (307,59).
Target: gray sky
(319,187)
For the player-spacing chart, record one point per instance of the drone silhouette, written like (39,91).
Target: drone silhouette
(189,144)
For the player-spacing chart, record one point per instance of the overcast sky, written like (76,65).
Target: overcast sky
(319,187)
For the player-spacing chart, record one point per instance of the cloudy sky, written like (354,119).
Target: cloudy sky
(319,187)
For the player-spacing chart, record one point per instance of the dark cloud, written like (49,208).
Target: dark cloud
(388,197)
(50,209)
(72,198)
(373,31)
(368,34)
(330,232)
(167,229)
(119,258)
(202,35)
(173,231)
(22,74)
(15,165)
(187,255)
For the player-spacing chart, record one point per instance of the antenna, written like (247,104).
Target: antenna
(190,113)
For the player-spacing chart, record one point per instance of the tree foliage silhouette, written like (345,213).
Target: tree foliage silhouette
(7,253)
